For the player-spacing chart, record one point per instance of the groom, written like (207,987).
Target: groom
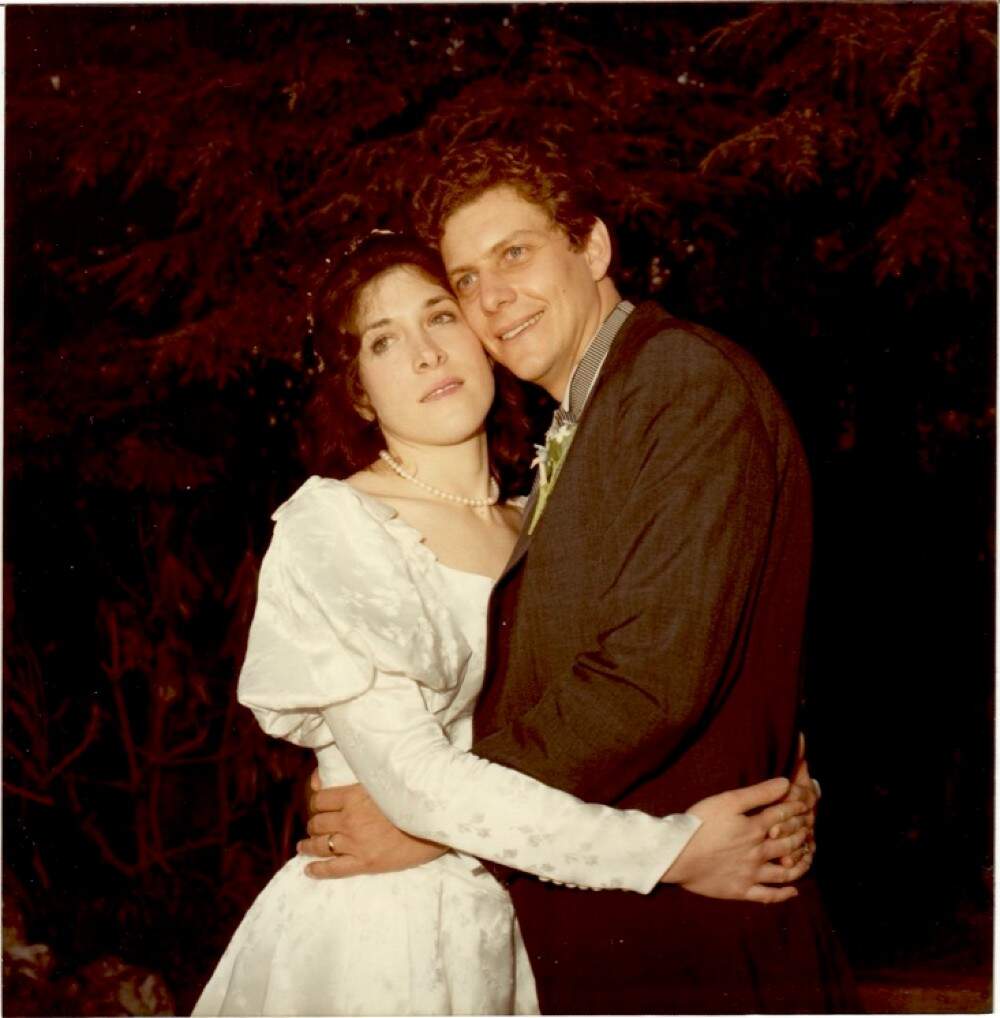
(645,635)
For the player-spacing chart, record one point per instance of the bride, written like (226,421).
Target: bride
(367,646)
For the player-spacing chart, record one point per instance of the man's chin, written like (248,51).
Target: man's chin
(523,367)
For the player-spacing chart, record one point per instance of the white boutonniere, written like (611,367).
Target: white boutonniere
(549,460)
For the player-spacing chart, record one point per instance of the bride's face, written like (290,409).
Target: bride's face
(424,372)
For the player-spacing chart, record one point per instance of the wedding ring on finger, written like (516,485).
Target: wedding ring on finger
(329,845)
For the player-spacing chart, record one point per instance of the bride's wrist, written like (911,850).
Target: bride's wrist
(682,868)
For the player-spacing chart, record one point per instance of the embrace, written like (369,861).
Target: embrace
(559,740)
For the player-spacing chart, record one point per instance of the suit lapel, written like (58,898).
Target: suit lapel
(523,538)
(613,353)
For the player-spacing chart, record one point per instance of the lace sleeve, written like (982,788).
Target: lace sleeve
(433,790)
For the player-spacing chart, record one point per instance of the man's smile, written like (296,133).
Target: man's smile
(515,330)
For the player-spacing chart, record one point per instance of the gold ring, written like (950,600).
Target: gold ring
(329,845)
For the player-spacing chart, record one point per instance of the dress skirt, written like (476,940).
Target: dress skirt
(439,939)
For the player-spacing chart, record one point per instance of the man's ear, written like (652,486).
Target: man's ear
(597,250)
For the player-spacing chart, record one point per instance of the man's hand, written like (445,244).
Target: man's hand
(806,791)
(351,836)
(732,855)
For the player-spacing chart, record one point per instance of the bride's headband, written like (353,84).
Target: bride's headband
(356,242)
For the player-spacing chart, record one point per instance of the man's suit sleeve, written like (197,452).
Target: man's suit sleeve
(679,562)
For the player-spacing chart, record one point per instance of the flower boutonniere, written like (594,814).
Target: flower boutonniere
(549,462)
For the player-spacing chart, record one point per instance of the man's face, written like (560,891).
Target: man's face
(532,300)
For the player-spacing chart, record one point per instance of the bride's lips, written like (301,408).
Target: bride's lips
(442,390)
(518,328)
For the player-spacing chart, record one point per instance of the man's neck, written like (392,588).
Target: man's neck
(608,299)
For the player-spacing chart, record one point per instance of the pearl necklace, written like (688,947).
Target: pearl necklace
(476,503)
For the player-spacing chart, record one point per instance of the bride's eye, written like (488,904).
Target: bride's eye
(380,344)
(443,318)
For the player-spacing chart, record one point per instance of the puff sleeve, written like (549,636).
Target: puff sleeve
(336,604)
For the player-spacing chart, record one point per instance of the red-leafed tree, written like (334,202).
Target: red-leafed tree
(816,180)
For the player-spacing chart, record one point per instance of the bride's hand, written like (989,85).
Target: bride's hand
(732,856)
(350,835)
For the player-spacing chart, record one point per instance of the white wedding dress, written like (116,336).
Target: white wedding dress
(366,649)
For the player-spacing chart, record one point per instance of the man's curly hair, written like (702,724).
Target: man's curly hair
(538,172)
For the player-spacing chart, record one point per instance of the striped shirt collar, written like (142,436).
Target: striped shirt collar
(585,374)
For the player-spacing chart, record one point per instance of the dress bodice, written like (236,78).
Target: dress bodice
(466,596)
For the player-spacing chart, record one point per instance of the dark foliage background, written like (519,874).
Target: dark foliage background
(815,181)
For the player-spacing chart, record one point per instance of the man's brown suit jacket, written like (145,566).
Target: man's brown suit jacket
(644,652)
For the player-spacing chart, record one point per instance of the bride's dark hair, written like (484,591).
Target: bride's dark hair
(335,440)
